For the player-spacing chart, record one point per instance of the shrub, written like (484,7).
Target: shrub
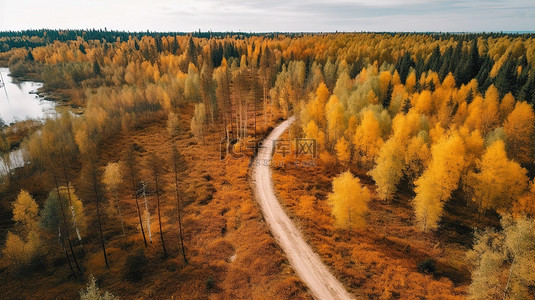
(427,266)
(92,292)
(210,283)
(22,255)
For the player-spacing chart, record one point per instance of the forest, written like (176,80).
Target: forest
(423,185)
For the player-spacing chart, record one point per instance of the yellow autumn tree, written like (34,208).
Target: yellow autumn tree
(23,247)
(519,128)
(438,181)
(343,153)
(316,107)
(388,169)
(367,140)
(335,120)
(349,201)
(417,156)
(410,82)
(198,121)
(21,253)
(312,131)
(525,205)
(404,127)
(422,102)
(112,179)
(173,124)
(489,110)
(25,211)
(499,182)
(506,106)
(504,261)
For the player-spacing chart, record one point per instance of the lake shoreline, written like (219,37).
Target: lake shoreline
(21,92)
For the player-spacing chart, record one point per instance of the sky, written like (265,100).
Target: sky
(270,16)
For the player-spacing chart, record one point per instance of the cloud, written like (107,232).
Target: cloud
(276,15)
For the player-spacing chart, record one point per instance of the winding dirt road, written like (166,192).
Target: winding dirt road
(305,262)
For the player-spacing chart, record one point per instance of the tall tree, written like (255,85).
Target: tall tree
(23,246)
(349,201)
(367,139)
(440,179)
(154,163)
(179,166)
(519,128)
(499,182)
(388,169)
(112,179)
(266,72)
(91,174)
(504,261)
(198,121)
(130,167)
(46,156)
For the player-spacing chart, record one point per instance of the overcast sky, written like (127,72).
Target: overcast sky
(267,16)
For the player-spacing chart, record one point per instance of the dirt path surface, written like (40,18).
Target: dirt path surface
(303,259)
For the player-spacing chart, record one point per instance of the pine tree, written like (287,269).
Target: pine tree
(506,77)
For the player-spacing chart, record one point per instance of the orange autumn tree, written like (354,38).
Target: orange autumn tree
(343,152)
(519,128)
(349,201)
(526,203)
(440,179)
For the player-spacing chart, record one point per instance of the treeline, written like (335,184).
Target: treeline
(42,37)
(510,74)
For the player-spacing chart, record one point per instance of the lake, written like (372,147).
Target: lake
(18,101)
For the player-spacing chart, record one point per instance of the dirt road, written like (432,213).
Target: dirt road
(306,263)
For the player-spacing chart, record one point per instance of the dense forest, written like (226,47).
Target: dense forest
(135,191)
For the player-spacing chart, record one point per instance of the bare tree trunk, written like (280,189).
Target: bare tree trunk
(140,222)
(62,243)
(508,280)
(119,212)
(159,213)
(95,189)
(130,161)
(179,204)
(65,220)
(147,212)
(67,184)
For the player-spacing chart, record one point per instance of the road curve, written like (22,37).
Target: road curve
(305,262)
